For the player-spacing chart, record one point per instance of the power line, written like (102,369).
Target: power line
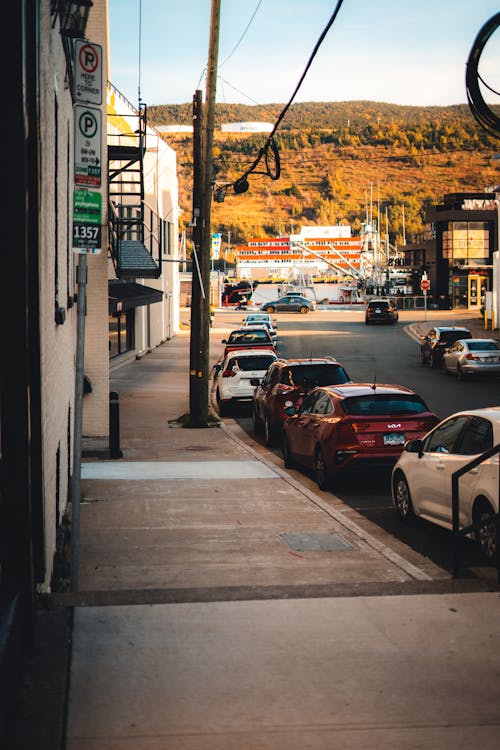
(243,34)
(269,152)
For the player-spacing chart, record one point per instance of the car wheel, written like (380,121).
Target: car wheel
(269,309)
(304,309)
(320,470)
(367,321)
(485,536)
(256,423)
(402,498)
(460,373)
(268,431)
(287,456)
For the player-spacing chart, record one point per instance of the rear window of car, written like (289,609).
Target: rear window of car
(250,363)
(383,405)
(483,346)
(451,336)
(247,337)
(314,375)
(371,305)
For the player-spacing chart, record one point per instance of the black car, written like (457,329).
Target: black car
(437,340)
(381,311)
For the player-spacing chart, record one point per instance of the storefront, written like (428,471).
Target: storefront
(124,298)
(464,227)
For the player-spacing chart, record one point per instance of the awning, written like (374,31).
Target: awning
(125,295)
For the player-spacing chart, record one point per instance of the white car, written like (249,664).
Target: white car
(261,319)
(472,357)
(422,476)
(233,375)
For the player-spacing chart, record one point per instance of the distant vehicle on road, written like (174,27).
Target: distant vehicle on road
(290,303)
(467,357)
(352,427)
(437,340)
(249,338)
(261,318)
(381,311)
(421,478)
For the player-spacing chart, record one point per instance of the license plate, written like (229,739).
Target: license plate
(394,438)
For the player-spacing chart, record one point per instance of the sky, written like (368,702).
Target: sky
(407,52)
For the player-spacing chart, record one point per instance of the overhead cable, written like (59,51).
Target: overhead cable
(485,116)
(269,151)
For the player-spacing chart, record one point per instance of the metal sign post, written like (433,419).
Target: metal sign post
(87,223)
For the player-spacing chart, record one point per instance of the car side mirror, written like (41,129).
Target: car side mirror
(415,446)
(224,341)
(255,382)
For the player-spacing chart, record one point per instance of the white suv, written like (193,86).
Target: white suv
(233,374)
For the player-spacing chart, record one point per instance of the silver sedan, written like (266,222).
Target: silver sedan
(472,357)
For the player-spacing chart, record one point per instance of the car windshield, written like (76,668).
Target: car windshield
(250,363)
(249,337)
(383,404)
(483,346)
(314,375)
(451,336)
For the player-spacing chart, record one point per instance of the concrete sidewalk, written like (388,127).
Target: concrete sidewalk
(224,605)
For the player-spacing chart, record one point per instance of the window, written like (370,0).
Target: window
(444,437)
(315,375)
(477,437)
(380,405)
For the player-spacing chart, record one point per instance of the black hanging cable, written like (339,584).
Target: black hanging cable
(485,116)
(269,150)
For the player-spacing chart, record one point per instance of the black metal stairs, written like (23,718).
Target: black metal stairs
(131,256)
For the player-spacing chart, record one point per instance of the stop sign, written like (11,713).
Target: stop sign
(425,284)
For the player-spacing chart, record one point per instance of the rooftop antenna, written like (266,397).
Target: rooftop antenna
(374,386)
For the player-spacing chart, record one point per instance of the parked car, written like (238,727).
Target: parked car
(234,373)
(250,338)
(472,357)
(421,478)
(381,311)
(285,384)
(437,340)
(290,303)
(341,428)
(261,319)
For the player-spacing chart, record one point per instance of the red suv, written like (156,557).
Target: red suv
(284,386)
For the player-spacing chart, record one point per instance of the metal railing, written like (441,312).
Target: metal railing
(459,533)
(141,223)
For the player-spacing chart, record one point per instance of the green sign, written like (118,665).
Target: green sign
(87,221)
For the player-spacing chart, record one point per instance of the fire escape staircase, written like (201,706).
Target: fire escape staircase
(135,231)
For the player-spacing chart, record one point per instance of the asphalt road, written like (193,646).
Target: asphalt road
(385,354)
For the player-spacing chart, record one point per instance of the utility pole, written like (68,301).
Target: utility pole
(202,201)
(195,366)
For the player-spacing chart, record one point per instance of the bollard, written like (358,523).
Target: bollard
(114,426)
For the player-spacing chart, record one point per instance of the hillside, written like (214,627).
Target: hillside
(337,158)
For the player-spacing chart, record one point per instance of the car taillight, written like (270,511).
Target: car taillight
(470,356)
(228,373)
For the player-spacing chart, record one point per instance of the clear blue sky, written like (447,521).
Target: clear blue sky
(397,51)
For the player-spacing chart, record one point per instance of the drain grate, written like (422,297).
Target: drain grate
(312,542)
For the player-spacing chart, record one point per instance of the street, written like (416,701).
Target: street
(381,354)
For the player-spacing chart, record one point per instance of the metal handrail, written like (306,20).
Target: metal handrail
(150,231)
(458,533)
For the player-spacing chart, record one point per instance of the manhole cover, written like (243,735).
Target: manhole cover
(313,542)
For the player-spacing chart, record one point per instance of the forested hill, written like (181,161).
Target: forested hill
(334,156)
(318,115)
